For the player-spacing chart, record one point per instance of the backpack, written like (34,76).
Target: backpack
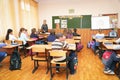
(90,44)
(105,57)
(15,60)
(118,70)
(73,62)
(79,47)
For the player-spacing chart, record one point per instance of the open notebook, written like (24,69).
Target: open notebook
(116,47)
(108,43)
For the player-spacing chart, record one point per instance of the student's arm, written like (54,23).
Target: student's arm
(118,40)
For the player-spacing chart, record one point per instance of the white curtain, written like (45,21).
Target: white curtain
(16,14)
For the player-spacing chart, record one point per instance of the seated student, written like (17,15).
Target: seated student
(113,34)
(111,63)
(95,46)
(23,36)
(10,36)
(69,34)
(58,44)
(75,32)
(99,35)
(2,56)
(52,36)
(33,33)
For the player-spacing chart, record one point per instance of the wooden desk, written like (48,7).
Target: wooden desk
(106,40)
(77,39)
(112,46)
(9,48)
(43,35)
(31,41)
(70,41)
(49,47)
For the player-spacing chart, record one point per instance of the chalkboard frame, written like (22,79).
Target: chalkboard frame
(79,21)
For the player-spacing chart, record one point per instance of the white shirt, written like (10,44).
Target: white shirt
(99,36)
(12,37)
(23,37)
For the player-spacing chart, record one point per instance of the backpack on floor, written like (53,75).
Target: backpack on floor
(106,55)
(15,60)
(73,62)
(118,70)
(90,44)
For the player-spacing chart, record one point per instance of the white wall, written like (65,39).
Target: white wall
(49,8)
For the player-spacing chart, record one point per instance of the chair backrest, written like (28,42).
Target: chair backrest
(57,53)
(76,37)
(7,41)
(70,41)
(39,48)
(20,42)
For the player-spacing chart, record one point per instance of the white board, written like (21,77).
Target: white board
(101,22)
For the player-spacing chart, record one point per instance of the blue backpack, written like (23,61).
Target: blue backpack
(73,62)
(15,61)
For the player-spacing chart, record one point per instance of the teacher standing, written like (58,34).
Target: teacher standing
(44,27)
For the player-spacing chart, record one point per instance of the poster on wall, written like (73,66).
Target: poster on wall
(57,21)
(63,23)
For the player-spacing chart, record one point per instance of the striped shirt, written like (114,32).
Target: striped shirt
(57,44)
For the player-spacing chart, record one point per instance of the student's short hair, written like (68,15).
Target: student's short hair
(52,32)
(33,30)
(58,35)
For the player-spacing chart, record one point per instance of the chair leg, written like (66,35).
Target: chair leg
(47,67)
(35,66)
(51,72)
(24,51)
(66,73)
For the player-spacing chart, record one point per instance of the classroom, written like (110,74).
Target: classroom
(60,40)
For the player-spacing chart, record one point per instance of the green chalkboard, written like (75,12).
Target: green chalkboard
(83,21)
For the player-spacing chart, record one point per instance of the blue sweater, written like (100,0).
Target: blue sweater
(51,38)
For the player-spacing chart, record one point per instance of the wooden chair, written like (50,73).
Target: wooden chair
(57,53)
(7,42)
(21,46)
(41,55)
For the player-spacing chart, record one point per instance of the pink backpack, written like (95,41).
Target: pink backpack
(79,46)
(106,55)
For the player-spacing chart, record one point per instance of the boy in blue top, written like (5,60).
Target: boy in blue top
(33,33)
(52,36)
